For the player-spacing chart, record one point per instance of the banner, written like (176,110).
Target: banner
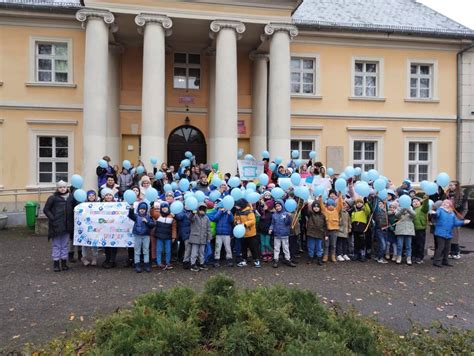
(249,170)
(103,225)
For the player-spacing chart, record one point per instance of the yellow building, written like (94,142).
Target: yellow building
(372,84)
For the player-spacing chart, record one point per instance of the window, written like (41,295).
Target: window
(365,155)
(419,158)
(51,62)
(53,159)
(304,147)
(366,79)
(421,81)
(303,76)
(187,71)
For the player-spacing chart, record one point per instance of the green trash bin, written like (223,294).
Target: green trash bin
(30,209)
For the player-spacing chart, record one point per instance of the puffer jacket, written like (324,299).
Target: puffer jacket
(445,223)
(183,220)
(60,214)
(141,228)
(281,223)
(125,181)
(421,215)
(405,222)
(200,230)
(360,218)
(316,224)
(344,225)
(246,217)
(223,220)
(332,216)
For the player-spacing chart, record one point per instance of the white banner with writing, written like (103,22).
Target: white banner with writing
(249,170)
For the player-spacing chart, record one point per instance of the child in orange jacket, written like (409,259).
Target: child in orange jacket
(331,211)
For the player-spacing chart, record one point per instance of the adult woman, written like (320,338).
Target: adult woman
(459,200)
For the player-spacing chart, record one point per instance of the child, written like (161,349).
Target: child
(183,220)
(391,238)
(223,220)
(331,213)
(265,211)
(87,250)
(110,252)
(342,245)
(420,221)
(446,221)
(404,230)
(59,211)
(198,238)
(141,233)
(245,215)
(382,224)
(165,232)
(280,227)
(315,232)
(360,218)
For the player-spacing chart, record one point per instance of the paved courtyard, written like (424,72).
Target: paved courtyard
(37,304)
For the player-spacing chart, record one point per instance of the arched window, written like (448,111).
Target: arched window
(186,138)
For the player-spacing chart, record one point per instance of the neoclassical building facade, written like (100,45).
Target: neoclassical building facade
(155,78)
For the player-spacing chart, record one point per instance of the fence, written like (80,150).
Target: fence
(21,195)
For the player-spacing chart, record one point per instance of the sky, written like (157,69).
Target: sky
(461,11)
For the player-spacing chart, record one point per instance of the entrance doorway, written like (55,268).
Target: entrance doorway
(186,138)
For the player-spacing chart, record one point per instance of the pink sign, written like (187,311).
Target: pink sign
(187,99)
(241,128)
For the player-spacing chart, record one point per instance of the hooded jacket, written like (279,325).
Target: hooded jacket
(140,227)
(245,216)
(316,223)
(332,216)
(265,217)
(223,220)
(421,215)
(200,229)
(281,223)
(60,214)
(184,224)
(445,223)
(165,227)
(405,222)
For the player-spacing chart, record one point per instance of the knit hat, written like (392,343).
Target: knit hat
(215,166)
(106,191)
(202,206)
(241,203)
(91,192)
(314,204)
(270,204)
(331,202)
(279,202)
(142,205)
(407,182)
(218,203)
(61,183)
(164,205)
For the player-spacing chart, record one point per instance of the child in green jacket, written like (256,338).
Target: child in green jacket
(420,221)
(360,218)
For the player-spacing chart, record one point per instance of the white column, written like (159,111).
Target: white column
(226,110)
(95,90)
(258,137)
(156,27)
(211,155)
(279,91)
(113,136)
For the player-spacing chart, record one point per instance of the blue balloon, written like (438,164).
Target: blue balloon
(176,207)
(159,175)
(191,203)
(302,192)
(362,188)
(278,160)
(443,179)
(373,174)
(185,163)
(290,205)
(343,176)
(383,194)
(103,163)
(423,184)
(319,190)
(295,154)
(295,179)
(188,194)
(330,171)
(265,154)
(151,194)
(312,155)
(126,164)
(249,157)
(167,187)
(340,184)
(252,186)
(77,181)
(234,182)
(240,153)
(380,184)
(297,163)
(214,195)
(183,185)
(239,231)
(263,179)
(349,171)
(132,171)
(140,169)
(357,171)
(236,193)
(216,181)
(188,154)
(365,176)
(174,186)
(277,193)
(228,202)
(284,183)
(404,201)
(431,188)
(80,195)
(200,196)
(252,197)
(272,166)
(176,176)
(129,196)
(153,161)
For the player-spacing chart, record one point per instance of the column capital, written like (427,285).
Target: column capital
(271,28)
(84,14)
(218,25)
(255,56)
(144,18)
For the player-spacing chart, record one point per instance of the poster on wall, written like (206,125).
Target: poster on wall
(249,170)
(103,225)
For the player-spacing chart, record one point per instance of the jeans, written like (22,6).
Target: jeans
(314,246)
(279,242)
(330,245)
(142,242)
(222,240)
(418,244)
(60,247)
(381,236)
(159,249)
(443,246)
(404,239)
(88,251)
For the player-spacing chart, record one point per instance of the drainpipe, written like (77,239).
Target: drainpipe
(459,111)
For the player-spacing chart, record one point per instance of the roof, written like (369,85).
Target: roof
(399,16)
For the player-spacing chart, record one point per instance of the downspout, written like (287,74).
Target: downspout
(459,111)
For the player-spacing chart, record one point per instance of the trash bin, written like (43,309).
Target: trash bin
(30,209)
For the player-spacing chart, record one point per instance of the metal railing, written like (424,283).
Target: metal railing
(40,193)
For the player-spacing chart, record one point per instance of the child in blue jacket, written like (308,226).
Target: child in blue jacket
(280,228)
(446,221)
(183,220)
(224,223)
(141,233)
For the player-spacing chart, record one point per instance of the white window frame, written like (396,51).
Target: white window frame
(316,75)
(433,63)
(33,80)
(432,160)
(379,78)
(315,139)
(379,148)
(188,66)
(33,135)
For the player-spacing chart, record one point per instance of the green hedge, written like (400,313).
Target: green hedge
(264,321)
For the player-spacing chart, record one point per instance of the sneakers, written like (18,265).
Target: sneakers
(387,256)
(85,261)
(162,266)
(381,260)
(138,268)
(275,264)
(399,260)
(346,258)
(107,264)
(230,263)
(340,258)
(168,267)
(447,264)
(450,256)
(217,264)
(56,266)
(257,264)
(409,263)
(242,263)
(457,256)
(394,258)
(94,261)
(203,267)
(147,267)
(290,263)
(194,268)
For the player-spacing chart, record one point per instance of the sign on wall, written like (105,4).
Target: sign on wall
(103,225)
(249,170)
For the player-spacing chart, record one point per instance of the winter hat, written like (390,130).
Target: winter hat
(315,204)
(91,192)
(391,192)
(279,202)
(270,204)
(241,203)
(218,203)
(407,182)
(202,206)
(177,194)
(215,166)
(142,205)
(106,191)
(331,202)
(106,158)
(61,183)
(416,198)
(164,205)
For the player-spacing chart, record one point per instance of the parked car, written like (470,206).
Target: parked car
(469,191)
